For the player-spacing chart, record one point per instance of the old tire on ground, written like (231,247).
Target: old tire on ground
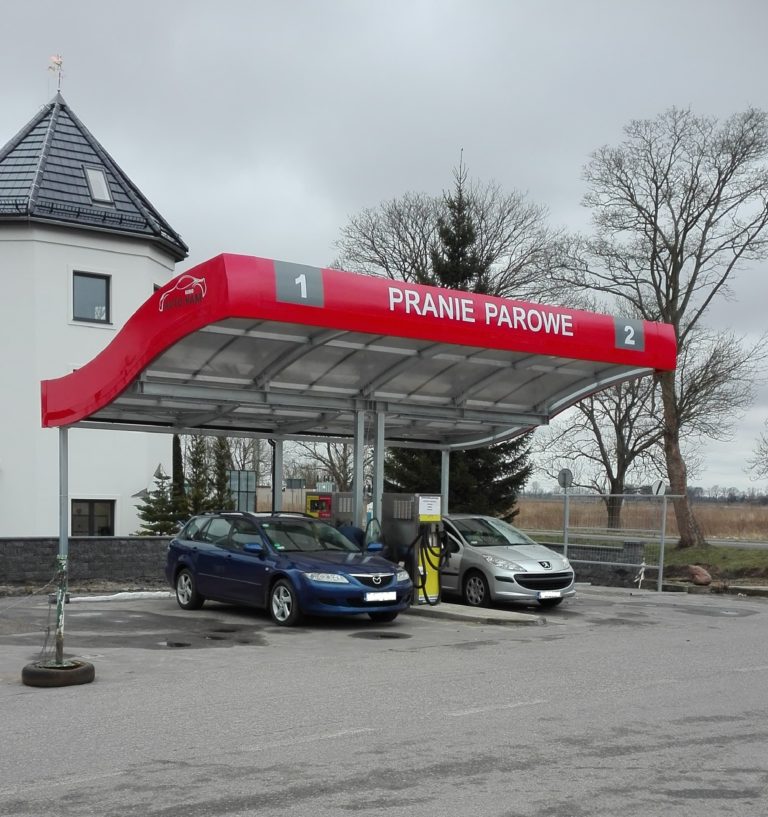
(383,618)
(475,590)
(74,672)
(187,596)
(284,604)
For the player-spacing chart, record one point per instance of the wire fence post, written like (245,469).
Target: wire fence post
(566,522)
(662,537)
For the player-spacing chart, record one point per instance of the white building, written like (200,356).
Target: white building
(80,249)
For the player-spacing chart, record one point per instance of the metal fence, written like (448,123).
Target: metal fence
(624,530)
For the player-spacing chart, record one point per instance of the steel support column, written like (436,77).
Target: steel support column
(378,467)
(358,503)
(63,557)
(277,474)
(445,464)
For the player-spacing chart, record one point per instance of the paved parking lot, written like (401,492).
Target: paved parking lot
(619,702)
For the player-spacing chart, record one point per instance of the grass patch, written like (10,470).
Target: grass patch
(722,563)
(726,563)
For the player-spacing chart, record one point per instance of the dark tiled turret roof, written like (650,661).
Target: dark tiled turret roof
(54,171)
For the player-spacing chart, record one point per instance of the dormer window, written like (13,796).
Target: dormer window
(97,184)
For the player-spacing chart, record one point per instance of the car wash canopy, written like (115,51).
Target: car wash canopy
(244,345)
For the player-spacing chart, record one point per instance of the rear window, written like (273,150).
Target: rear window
(192,529)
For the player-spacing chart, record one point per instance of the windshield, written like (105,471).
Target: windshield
(300,536)
(482,531)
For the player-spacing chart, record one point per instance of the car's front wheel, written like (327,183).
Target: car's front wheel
(476,592)
(187,596)
(283,604)
(383,618)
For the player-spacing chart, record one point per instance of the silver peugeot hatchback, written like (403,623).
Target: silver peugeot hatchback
(490,560)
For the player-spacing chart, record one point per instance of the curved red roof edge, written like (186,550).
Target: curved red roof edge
(239,286)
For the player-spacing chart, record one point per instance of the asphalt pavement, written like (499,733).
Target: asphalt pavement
(619,701)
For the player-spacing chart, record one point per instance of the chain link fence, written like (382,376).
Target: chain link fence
(624,531)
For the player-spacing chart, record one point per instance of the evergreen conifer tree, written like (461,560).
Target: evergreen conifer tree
(480,480)
(198,483)
(156,511)
(221,496)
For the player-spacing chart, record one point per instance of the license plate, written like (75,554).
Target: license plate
(382,595)
(549,594)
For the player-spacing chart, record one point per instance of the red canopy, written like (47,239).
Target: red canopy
(243,345)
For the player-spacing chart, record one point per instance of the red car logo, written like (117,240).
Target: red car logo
(187,290)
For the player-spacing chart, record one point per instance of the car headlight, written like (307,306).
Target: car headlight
(502,563)
(402,576)
(330,578)
(566,564)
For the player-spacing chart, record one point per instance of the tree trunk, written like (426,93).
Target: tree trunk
(614,505)
(690,534)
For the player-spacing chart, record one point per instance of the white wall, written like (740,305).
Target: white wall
(40,341)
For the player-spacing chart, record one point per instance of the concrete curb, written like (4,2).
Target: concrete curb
(478,615)
(715,589)
(125,596)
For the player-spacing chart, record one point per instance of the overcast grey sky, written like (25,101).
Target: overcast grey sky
(260,127)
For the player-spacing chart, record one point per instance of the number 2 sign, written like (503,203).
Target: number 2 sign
(629,334)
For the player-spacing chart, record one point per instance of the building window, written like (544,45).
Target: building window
(93,517)
(242,486)
(90,298)
(97,184)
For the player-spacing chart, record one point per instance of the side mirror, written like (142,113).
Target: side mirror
(255,548)
(450,544)
(374,547)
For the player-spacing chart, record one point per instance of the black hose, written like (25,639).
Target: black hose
(426,557)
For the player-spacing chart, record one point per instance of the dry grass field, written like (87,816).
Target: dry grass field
(641,517)
(721,520)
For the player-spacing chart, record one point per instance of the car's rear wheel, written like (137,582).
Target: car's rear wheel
(549,602)
(187,596)
(476,592)
(283,604)
(383,618)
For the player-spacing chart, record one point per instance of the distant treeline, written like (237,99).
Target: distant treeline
(713,495)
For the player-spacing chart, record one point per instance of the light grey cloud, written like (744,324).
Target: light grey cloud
(261,127)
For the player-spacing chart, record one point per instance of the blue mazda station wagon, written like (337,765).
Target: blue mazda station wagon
(290,564)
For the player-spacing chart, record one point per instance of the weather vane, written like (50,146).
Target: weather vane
(56,61)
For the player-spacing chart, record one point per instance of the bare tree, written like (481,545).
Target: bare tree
(717,374)
(759,462)
(335,459)
(617,432)
(611,435)
(249,454)
(677,207)
(397,238)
